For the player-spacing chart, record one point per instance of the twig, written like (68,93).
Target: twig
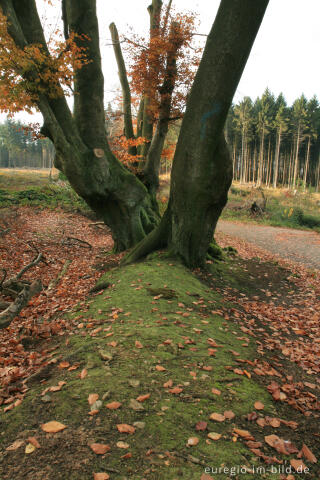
(34,262)
(80,241)
(4,277)
(63,271)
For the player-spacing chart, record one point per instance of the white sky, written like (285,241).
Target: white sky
(284,56)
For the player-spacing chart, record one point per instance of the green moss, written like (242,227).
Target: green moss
(130,311)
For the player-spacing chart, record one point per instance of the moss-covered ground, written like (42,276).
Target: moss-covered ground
(162,331)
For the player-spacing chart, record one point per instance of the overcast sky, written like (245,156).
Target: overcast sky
(285,56)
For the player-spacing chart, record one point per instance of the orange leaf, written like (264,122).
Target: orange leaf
(215,391)
(99,448)
(217,417)
(83,374)
(53,427)
(101,476)
(160,368)
(113,405)
(168,384)
(142,398)
(175,390)
(192,441)
(214,436)
(125,428)
(138,344)
(243,433)
(258,406)
(298,465)
(34,442)
(308,454)
(92,398)
(64,365)
(229,414)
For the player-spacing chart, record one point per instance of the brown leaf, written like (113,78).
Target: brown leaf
(176,390)
(34,442)
(138,344)
(125,428)
(122,445)
(160,368)
(298,465)
(92,398)
(113,405)
(214,435)
(142,398)
(15,445)
(201,426)
(215,391)
(99,448)
(53,427)
(64,365)
(83,374)
(168,384)
(258,406)
(308,454)
(217,417)
(192,441)
(243,433)
(229,414)
(101,476)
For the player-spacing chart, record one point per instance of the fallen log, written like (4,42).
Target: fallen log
(19,303)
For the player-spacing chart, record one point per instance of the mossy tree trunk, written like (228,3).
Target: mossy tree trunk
(82,150)
(202,166)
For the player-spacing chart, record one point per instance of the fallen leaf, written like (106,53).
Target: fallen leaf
(113,405)
(214,435)
(308,454)
(176,390)
(101,476)
(201,426)
(160,368)
(217,417)
(192,441)
(122,445)
(229,414)
(168,384)
(142,398)
(258,406)
(125,428)
(53,427)
(64,365)
(92,398)
(243,433)
(83,374)
(29,448)
(99,448)
(298,465)
(15,445)
(215,391)
(34,442)
(138,344)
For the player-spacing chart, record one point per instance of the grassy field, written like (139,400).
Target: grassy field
(283,207)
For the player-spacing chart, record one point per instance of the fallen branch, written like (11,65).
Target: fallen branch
(83,243)
(19,303)
(61,274)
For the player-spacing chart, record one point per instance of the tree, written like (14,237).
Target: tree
(202,169)
(281,124)
(299,119)
(243,119)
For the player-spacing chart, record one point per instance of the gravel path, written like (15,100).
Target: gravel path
(298,246)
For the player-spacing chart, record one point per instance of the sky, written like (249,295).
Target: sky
(284,56)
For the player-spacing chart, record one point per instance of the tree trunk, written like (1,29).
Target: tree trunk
(276,166)
(126,94)
(296,160)
(306,164)
(202,167)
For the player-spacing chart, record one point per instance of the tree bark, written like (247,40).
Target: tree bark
(202,167)
(126,93)
(276,166)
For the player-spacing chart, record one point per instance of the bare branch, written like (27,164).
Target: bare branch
(19,303)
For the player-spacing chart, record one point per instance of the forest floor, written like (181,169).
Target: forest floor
(162,374)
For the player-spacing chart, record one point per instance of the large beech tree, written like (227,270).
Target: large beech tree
(202,169)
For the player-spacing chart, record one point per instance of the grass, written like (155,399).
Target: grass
(285,209)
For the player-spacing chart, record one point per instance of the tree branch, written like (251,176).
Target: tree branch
(19,303)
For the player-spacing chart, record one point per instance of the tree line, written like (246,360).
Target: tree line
(19,148)
(275,144)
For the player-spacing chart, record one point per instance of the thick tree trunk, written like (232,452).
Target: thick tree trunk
(202,167)
(82,150)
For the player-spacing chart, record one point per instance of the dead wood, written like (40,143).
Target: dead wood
(62,272)
(19,303)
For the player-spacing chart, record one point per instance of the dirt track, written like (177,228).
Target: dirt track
(295,245)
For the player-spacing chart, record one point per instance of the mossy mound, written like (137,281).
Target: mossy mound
(159,358)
